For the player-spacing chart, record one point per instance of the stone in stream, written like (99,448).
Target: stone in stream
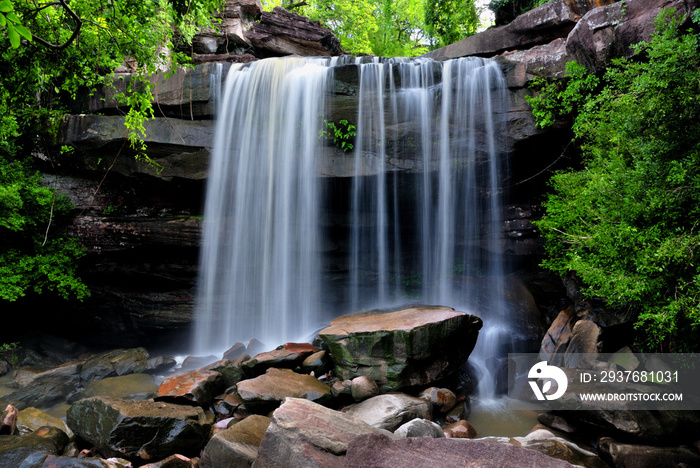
(139,430)
(390,411)
(289,356)
(14,450)
(401,348)
(645,456)
(131,387)
(420,428)
(269,390)
(303,434)
(363,387)
(442,399)
(236,446)
(197,387)
(32,419)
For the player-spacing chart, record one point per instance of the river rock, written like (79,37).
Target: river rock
(401,348)
(267,391)
(32,419)
(460,430)
(645,456)
(130,387)
(197,387)
(303,434)
(442,399)
(378,451)
(318,363)
(231,371)
(14,450)
(237,446)
(68,373)
(113,363)
(139,430)
(363,387)
(289,356)
(41,395)
(390,411)
(419,428)
(235,351)
(175,461)
(8,420)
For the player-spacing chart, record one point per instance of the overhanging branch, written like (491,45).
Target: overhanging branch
(73,37)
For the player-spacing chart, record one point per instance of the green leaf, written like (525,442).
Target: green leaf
(5,6)
(12,16)
(14,37)
(24,32)
(2,20)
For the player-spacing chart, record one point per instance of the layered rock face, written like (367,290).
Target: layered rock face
(141,223)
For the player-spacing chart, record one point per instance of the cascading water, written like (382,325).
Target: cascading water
(424,202)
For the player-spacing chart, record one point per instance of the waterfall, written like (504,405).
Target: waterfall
(423,204)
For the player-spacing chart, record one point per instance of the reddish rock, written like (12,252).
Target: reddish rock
(442,399)
(363,387)
(644,456)
(460,430)
(237,446)
(303,434)
(196,387)
(378,451)
(287,356)
(8,420)
(267,391)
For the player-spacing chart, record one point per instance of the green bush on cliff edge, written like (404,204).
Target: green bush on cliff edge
(628,223)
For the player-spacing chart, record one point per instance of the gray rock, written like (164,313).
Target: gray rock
(420,428)
(113,363)
(303,434)
(363,387)
(390,411)
(14,450)
(646,456)
(237,446)
(130,387)
(139,430)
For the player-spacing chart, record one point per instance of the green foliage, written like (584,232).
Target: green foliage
(451,20)
(507,10)
(10,350)
(342,134)
(34,256)
(560,98)
(12,24)
(628,223)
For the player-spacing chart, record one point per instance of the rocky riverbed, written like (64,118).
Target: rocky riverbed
(375,389)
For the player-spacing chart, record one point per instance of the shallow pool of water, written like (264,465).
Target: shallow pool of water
(494,418)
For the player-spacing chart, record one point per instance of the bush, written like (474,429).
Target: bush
(628,223)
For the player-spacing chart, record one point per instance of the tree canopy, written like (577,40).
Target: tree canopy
(628,223)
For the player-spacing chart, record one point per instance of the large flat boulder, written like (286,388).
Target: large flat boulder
(401,348)
(390,411)
(266,392)
(303,434)
(378,451)
(139,430)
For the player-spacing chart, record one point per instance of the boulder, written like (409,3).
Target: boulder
(8,420)
(608,32)
(197,387)
(32,419)
(231,371)
(237,446)
(442,399)
(139,430)
(318,363)
(16,449)
(303,434)
(625,359)
(646,456)
(113,363)
(43,460)
(41,395)
(363,387)
(460,430)
(390,411)
(401,348)
(281,32)
(419,428)
(269,390)
(130,387)
(379,451)
(235,351)
(289,356)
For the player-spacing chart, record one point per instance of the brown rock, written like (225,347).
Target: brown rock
(390,411)
(196,387)
(235,351)
(281,32)
(237,446)
(8,420)
(460,430)
(289,356)
(442,399)
(377,451)
(174,461)
(269,390)
(363,387)
(559,334)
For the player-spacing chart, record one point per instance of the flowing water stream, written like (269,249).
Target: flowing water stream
(422,208)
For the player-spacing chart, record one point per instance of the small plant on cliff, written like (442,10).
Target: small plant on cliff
(343,134)
(628,223)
